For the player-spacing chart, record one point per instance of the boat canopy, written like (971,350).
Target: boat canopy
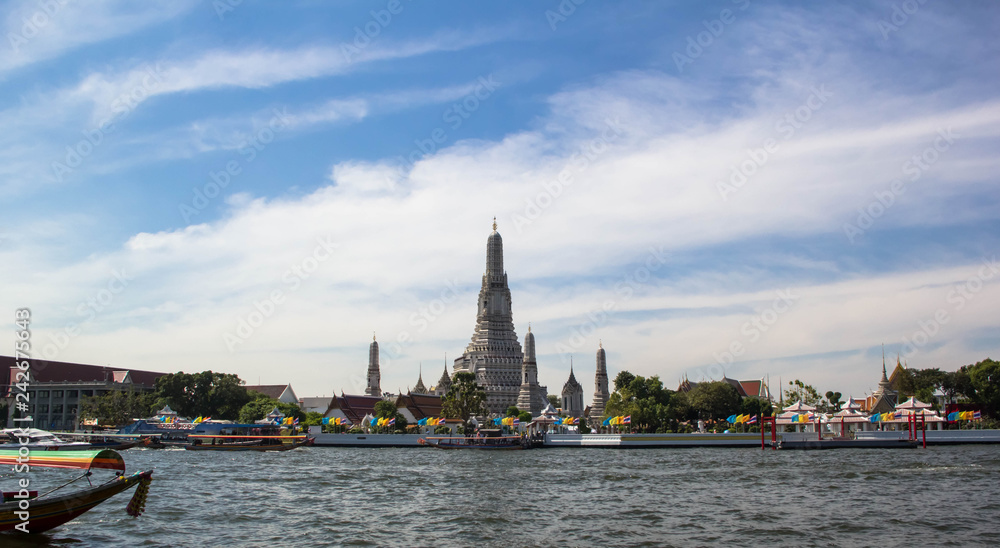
(80,460)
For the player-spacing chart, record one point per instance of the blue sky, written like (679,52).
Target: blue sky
(743,188)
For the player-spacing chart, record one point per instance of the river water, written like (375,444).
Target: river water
(940,496)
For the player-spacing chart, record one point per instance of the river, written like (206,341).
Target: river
(940,496)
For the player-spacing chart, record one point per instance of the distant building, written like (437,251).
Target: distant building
(601,393)
(414,406)
(444,383)
(745,389)
(315,405)
(55,388)
(280,392)
(374,376)
(572,396)
(885,397)
(353,408)
(420,388)
(530,397)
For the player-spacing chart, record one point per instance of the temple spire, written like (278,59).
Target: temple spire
(601,393)
(494,354)
(374,375)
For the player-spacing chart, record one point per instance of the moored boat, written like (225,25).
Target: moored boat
(38,440)
(497,443)
(239,443)
(35,514)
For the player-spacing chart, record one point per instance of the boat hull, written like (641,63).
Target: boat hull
(248,447)
(52,512)
(481,444)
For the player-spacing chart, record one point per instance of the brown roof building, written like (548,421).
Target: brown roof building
(55,388)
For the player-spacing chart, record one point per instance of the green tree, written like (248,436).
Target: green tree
(756,406)
(512,411)
(116,407)
(646,400)
(832,403)
(714,400)
(261,404)
(385,409)
(464,400)
(802,392)
(957,385)
(207,394)
(554,400)
(984,377)
(525,417)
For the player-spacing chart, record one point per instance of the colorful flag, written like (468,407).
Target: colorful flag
(753,420)
(392,421)
(977,415)
(627,419)
(515,422)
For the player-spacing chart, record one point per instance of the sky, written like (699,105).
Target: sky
(751,189)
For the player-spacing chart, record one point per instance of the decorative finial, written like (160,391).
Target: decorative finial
(373,335)
(600,344)
(494,224)
(529,327)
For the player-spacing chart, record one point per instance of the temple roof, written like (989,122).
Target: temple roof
(421,405)
(355,407)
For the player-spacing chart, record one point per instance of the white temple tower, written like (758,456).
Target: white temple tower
(374,377)
(601,393)
(530,397)
(494,354)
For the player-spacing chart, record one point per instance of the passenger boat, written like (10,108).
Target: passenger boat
(52,509)
(493,443)
(247,443)
(226,436)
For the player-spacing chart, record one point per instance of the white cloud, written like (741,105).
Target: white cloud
(37,31)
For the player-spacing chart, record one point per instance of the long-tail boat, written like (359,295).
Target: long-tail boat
(246,443)
(28,512)
(495,443)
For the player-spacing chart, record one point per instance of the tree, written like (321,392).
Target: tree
(832,403)
(261,404)
(464,399)
(385,409)
(802,392)
(512,411)
(956,384)
(206,394)
(524,416)
(646,401)
(756,406)
(984,377)
(714,400)
(116,407)
(554,400)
